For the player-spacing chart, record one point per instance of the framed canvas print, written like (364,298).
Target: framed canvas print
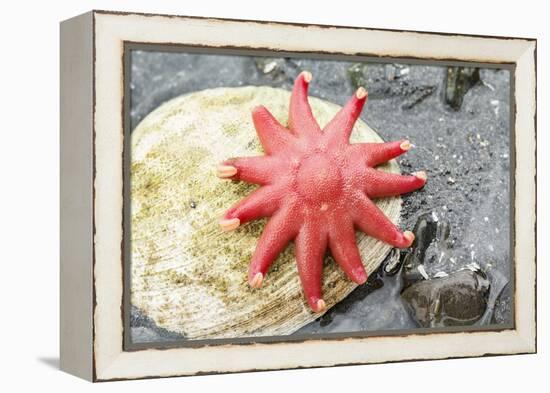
(246,195)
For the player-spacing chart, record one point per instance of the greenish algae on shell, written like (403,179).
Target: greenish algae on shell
(187,275)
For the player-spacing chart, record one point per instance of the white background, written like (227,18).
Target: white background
(29,183)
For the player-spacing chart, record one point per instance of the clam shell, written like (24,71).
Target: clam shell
(187,275)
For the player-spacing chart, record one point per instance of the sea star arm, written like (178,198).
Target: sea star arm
(277,233)
(311,243)
(383,184)
(261,203)
(344,249)
(339,129)
(258,170)
(273,136)
(300,117)
(378,153)
(371,220)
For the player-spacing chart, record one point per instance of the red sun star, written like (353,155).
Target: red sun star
(317,188)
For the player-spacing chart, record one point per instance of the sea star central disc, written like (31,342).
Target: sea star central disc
(317,188)
(317,172)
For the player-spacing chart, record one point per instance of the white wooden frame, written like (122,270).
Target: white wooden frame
(92,194)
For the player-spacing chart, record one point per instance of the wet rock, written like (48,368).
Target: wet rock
(395,71)
(458,81)
(393,262)
(444,286)
(272,67)
(430,252)
(391,72)
(417,96)
(455,300)
(357,74)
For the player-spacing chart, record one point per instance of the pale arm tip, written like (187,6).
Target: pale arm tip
(409,237)
(320,306)
(226,171)
(421,175)
(307,76)
(359,275)
(361,93)
(257,280)
(229,224)
(406,145)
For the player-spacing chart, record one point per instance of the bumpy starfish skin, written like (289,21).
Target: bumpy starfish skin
(317,188)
